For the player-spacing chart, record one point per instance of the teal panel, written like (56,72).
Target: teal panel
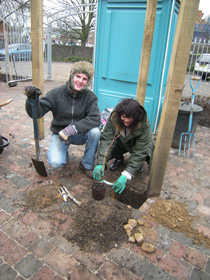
(120,29)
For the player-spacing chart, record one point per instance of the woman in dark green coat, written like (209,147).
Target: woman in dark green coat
(127,130)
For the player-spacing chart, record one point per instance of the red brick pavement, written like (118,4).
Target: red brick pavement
(33,247)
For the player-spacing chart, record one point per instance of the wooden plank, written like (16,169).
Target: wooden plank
(37,51)
(146,50)
(175,83)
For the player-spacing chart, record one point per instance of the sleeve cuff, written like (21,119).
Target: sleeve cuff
(128,175)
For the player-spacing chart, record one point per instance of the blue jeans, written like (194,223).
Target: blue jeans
(58,150)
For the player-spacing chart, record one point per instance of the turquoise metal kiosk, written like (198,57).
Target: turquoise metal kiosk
(119,38)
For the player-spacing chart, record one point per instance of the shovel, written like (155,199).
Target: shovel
(39,165)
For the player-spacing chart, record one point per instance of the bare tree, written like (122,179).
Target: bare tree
(75,20)
(15,11)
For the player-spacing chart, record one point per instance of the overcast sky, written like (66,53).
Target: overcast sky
(205,7)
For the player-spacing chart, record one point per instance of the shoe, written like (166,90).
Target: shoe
(116,164)
(141,169)
(88,172)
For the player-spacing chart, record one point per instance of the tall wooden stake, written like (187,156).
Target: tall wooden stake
(176,77)
(146,50)
(37,51)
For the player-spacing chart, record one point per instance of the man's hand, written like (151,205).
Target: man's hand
(32,91)
(98,172)
(66,132)
(120,184)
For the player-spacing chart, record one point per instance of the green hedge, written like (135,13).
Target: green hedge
(72,59)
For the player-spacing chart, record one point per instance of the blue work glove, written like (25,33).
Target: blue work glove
(66,132)
(120,184)
(98,172)
(32,91)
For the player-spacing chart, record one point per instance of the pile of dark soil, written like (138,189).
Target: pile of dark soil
(98,226)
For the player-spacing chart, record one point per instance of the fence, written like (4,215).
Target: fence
(18,52)
(202,95)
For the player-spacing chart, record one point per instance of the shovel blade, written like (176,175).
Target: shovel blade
(40,167)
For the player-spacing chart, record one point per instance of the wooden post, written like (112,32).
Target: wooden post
(146,50)
(175,83)
(37,51)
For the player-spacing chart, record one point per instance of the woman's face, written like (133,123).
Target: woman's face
(126,121)
(80,81)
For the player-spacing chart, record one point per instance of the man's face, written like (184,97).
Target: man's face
(80,81)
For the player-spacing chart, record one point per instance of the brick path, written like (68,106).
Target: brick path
(33,247)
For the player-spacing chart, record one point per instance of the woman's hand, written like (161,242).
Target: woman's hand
(98,172)
(120,184)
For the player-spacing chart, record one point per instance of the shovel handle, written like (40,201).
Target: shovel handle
(34,116)
(194,88)
(35,124)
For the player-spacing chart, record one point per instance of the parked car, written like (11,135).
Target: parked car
(18,51)
(202,65)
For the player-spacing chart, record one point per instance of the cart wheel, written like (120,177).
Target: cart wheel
(3,144)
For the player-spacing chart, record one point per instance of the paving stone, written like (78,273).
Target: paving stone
(178,250)
(63,244)
(3,237)
(7,273)
(15,229)
(15,255)
(8,206)
(207,269)
(110,270)
(198,274)
(41,248)
(45,273)
(175,266)
(60,261)
(2,195)
(118,255)
(7,246)
(28,239)
(164,243)
(17,180)
(137,265)
(203,250)
(154,272)
(4,171)
(28,266)
(91,261)
(4,217)
(180,237)
(196,258)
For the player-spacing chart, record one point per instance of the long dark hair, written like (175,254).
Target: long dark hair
(131,108)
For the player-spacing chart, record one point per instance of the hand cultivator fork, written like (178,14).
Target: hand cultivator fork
(65,194)
(65,206)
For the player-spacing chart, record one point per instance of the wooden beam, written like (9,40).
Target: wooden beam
(37,51)
(175,83)
(146,50)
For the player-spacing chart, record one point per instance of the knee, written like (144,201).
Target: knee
(55,163)
(95,133)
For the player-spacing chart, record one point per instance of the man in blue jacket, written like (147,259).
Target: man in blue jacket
(76,117)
